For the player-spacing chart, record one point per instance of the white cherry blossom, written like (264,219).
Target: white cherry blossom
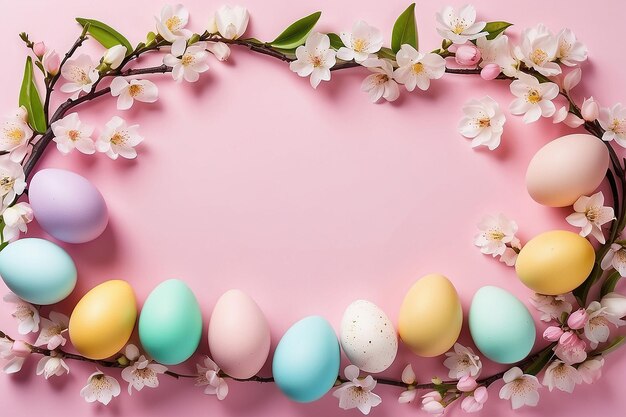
(52,366)
(114,56)
(190,65)
(569,119)
(550,306)
(614,305)
(483,122)
(52,330)
(538,50)
(570,51)
(572,79)
(416,69)
(591,370)
(12,180)
(462,362)
(15,134)
(409,378)
(613,121)
(461,26)
(498,51)
(171,26)
(230,21)
(209,376)
(432,403)
(81,74)
(561,376)
(26,314)
(16,219)
(361,43)
(71,133)
(597,326)
(474,402)
(142,373)
(496,234)
(119,139)
(534,99)
(15,353)
(590,214)
(357,392)
(615,258)
(520,388)
(101,388)
(314,58)
(380,84)
(127,91)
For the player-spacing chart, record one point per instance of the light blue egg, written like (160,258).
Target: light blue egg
(170,324)
(501,326)
(306,360)
(38,271)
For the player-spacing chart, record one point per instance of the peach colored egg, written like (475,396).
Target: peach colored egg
(239,335)
(567,168)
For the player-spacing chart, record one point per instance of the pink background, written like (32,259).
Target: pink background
(307,200)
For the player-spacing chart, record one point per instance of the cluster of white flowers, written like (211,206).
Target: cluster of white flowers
(497,238)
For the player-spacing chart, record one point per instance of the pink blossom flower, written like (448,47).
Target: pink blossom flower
(474,403)
(463,361)
(520,388)
(15,353)
(571,349)
(551,306)
(357,392)
(552,333)
(52,62)
(39,48)
(490,72)
(408,377)
(578,319)
(591,370)
(209,375)
(432,403)
(590,109)
(467,55)
(52,331)
(466,384)
(561,376)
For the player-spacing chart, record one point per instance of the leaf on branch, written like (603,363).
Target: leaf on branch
(335,41)
(29,98)
(105,34)
(495,28)
(296,34)
(543,357)
(386,53)
(405,30)
(617,342)
(609,283)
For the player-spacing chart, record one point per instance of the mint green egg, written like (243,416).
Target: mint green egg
(501,326)
(38,271)
(170,324)
(306,360)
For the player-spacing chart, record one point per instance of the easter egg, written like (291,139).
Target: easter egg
(555,262)
(37,271)
(430,316)
(170,324)
(500,325)
(306,360)
(567,168)
(67,206)
(103,320)
(368,337)
(239,335)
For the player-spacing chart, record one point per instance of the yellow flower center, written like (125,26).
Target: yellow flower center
(73,135)
(495,234)
(15,134)
(417,68)
(187,60)
(533,96)
(592,214)
(459,26)
(484,122)
(6,183)
(618,126)
(317,61)
(380,79)
(135,89)
(119,138)
(173,23)
(359,45)
(538,56)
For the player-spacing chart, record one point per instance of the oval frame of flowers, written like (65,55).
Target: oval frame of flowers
(534,68)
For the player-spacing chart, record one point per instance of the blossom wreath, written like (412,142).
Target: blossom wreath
(578,340)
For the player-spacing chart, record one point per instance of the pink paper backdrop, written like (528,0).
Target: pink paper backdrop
(306,200)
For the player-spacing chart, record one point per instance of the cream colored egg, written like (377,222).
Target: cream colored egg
(368,337)
(567,168)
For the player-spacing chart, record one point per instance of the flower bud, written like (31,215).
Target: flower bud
(219,49)
(39,48)
(467,55)
(590,109)
(577,319)
(466,384)
(20,349)
(614,304)
(490,72)
(552,333)
(567,338)
(114,56)
(52,62)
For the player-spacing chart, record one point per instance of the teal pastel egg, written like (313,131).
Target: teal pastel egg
(170,324)
(38,271)
(501,326)
(306,360)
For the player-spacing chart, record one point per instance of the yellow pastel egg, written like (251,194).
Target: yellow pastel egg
(555,262)
(430,316)
(103,320)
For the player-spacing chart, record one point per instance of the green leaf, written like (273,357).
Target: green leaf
(335,41)
(297,32)
(609,283)
(105,34)
(543,357)
(617,342)
(29,98)
(405,30)
(386,53)
(495,28)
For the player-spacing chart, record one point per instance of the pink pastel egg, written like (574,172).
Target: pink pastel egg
(239,335)
(67,206)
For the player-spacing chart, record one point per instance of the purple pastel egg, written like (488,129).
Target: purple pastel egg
(67,206)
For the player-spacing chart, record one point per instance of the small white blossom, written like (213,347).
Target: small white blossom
(432,403)
(114,56)
(416,69)
(361,43)
(141,373)
(357,393)
(614,305)
(171,27)
(590,109)
(119,139)
(16,219)
(190,65)
(230,21)
(81,74)
(127,92)
(474,402)
(462,362)
(591,370)
(220,50)
(496,232)
(561,376)
(409,378)
(482,122)
(534,99)
(52,366)
(590,214)
(551,307)
(15,134)
(15,353)
(209,375)
(70,133)
(597,326)
(101,388)
(538,50)
(314,58)
(565,116)
(52,330)
(570,51)
(461,26)
(497,51)
(509,257)
(12,180)
(613,121)
(520,388)
(615,258)
(572,79)
(26,314)
(380,84)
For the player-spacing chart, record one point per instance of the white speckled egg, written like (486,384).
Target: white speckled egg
(368,337)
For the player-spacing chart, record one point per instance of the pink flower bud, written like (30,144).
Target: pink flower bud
(20,349)
(578,319)
(39,48)
(467,54)
(52,62)
(490,72)
(590,109)
(466,384)
(552,333)
(567,338)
